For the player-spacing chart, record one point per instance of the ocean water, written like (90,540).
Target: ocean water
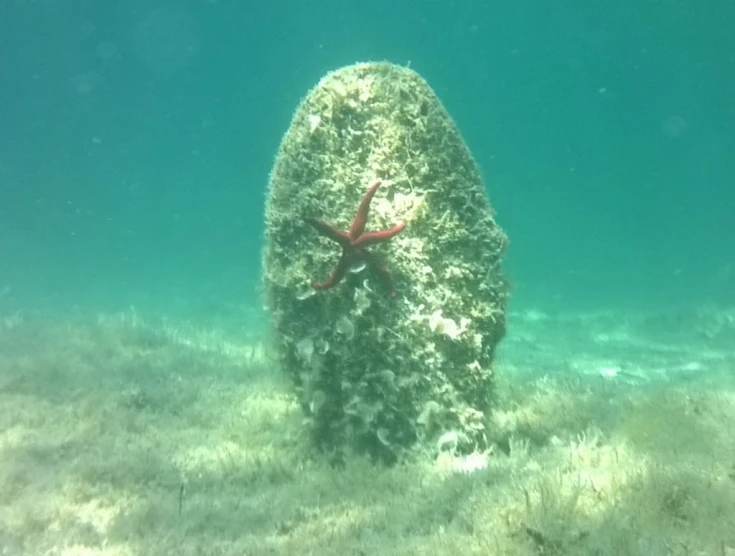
(141,411)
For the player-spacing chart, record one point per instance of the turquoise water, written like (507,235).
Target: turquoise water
(141,407)
(137,139)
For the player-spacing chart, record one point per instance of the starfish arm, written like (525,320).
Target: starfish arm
(337,274)
(358,225)
(371,238)
(379,269)
(354,243)
(330,231)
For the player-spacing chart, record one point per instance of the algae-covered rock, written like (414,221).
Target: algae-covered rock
(373,372)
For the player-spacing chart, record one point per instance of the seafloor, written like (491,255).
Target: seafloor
(132,435)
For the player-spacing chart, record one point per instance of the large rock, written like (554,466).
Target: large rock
(376,373)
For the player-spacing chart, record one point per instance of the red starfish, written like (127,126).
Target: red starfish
(354,242)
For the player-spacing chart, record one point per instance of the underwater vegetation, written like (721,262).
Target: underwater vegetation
(125,434)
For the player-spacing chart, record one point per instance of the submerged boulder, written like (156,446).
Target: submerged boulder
(394,350)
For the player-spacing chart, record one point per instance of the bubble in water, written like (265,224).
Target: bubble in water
(166,39)
(87,28)
(106,50)
(674,126)
(85,83)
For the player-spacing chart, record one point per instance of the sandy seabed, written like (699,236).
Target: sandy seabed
(124,434)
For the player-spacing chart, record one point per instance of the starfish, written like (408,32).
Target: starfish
(354,243)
